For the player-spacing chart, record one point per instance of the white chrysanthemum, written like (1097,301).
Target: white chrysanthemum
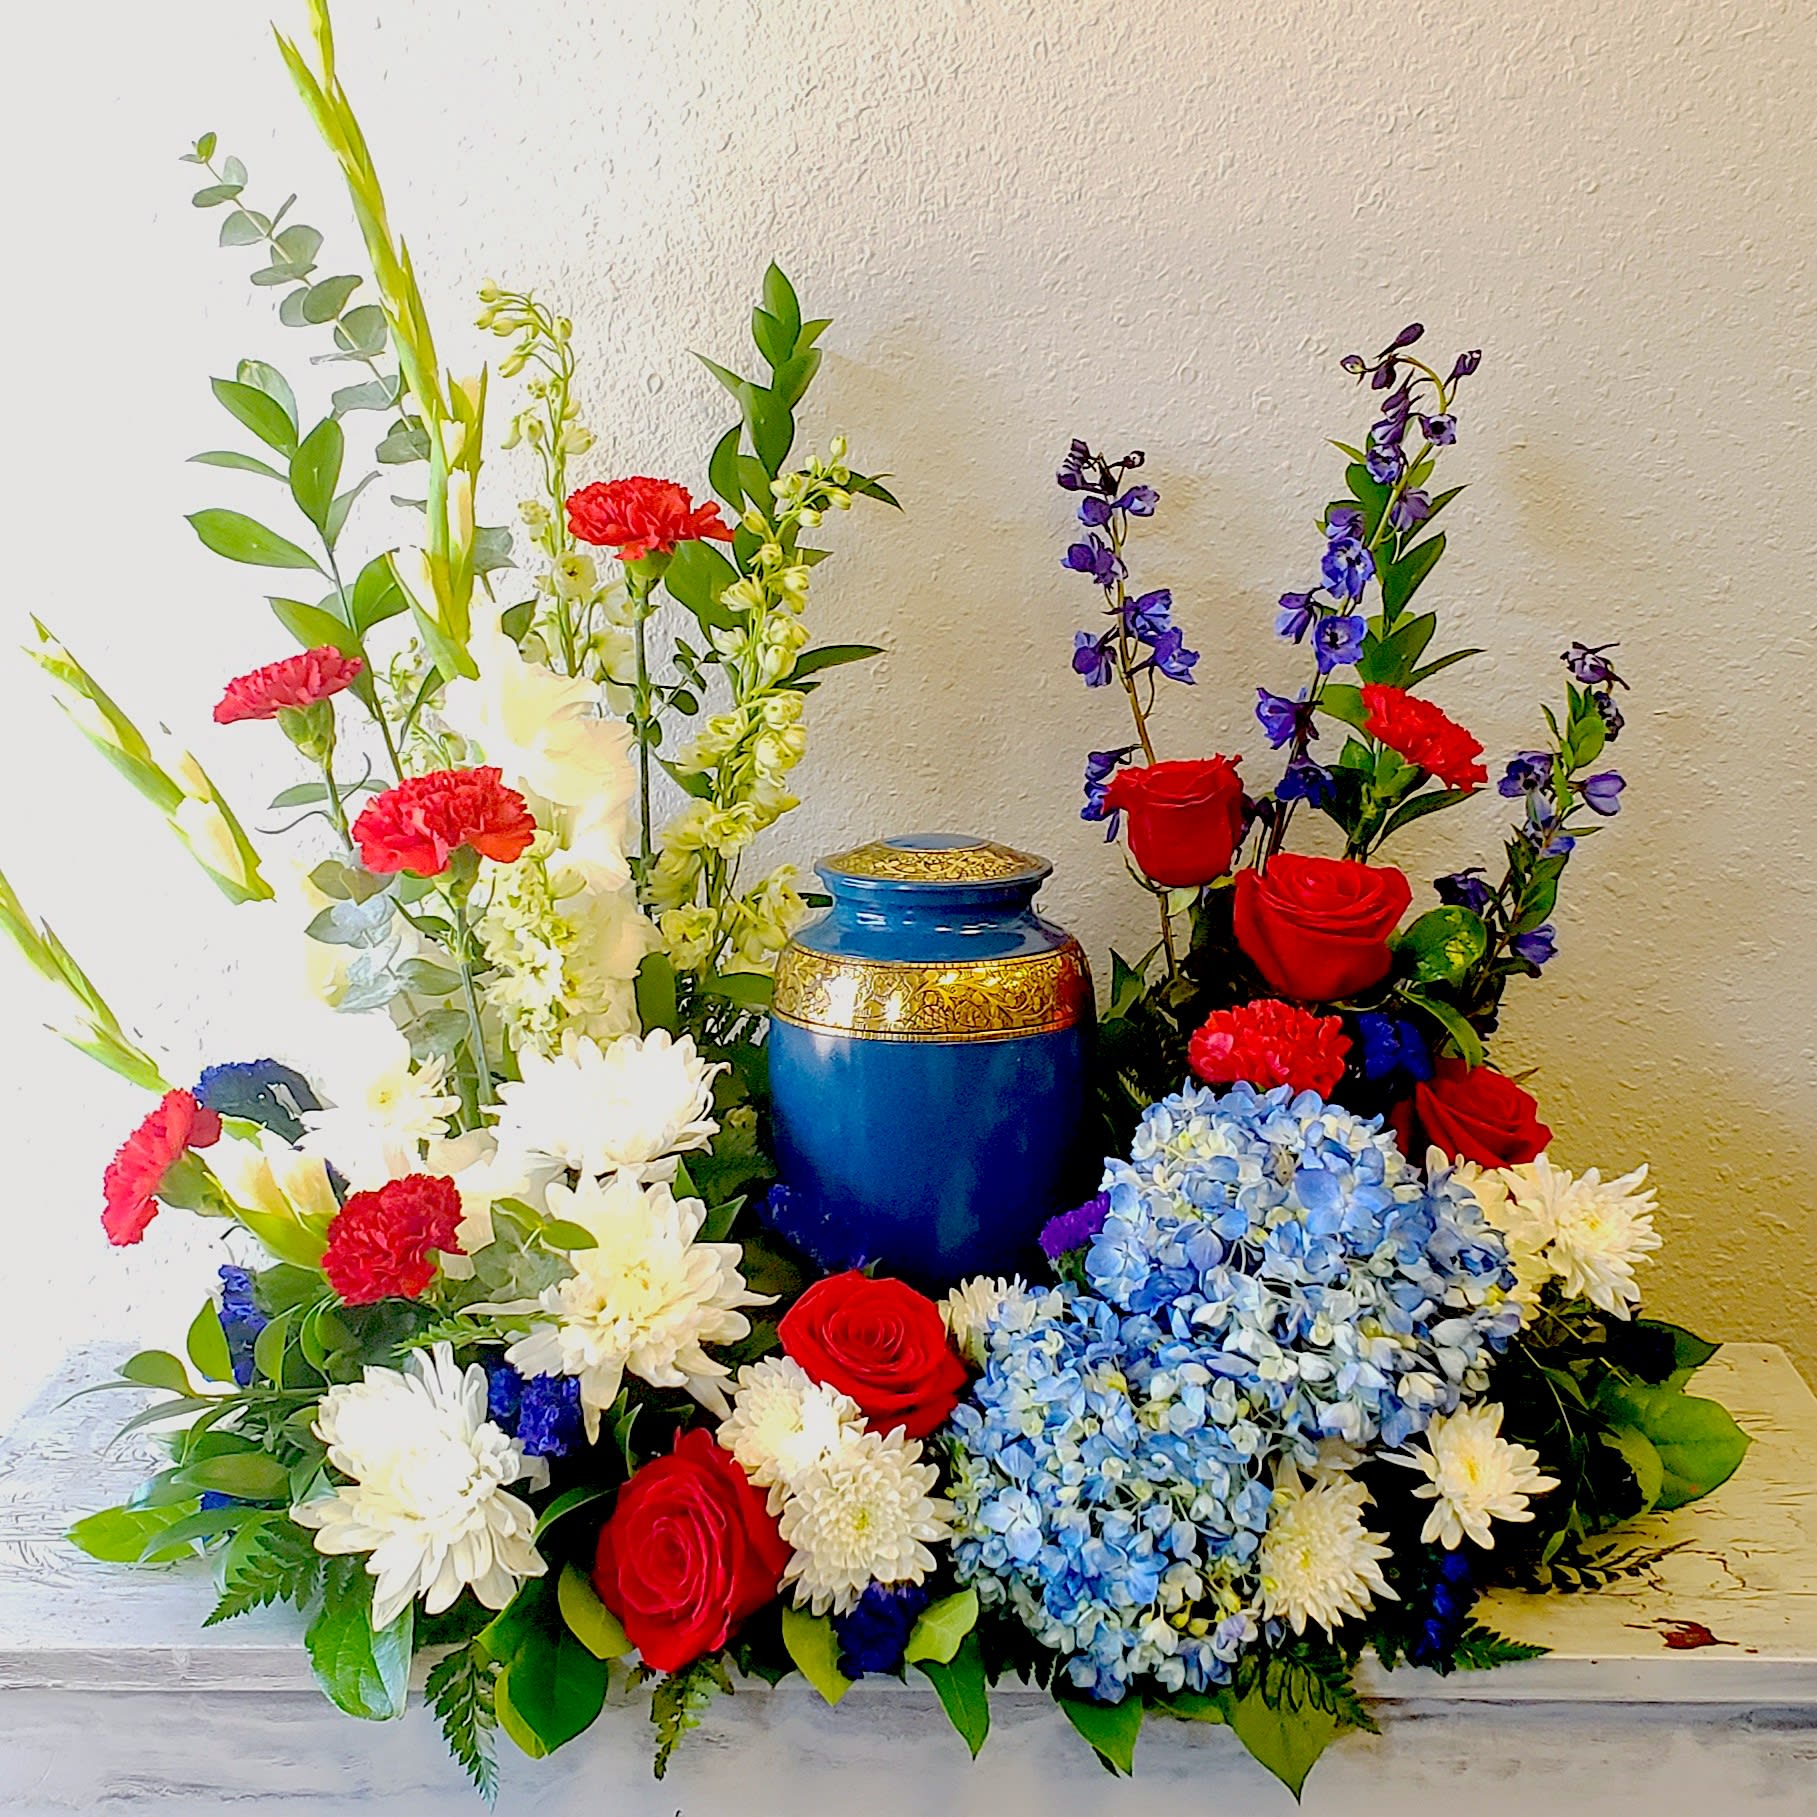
(483,1176)
(864,1514)
(631,1106)
(643,1301)
(381,1115)
(1604,1228)
(783,1423)
(973,1305)
(1317,1561)
(428,1498)
(1474,1476)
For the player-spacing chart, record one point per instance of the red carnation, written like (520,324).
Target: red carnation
(136,1174)
(291,684)
(1416,730)
(380,1243)
(418,824)
(1269,1043)
(882,1343)
(640,517)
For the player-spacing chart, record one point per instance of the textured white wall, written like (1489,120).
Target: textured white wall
(1153,226)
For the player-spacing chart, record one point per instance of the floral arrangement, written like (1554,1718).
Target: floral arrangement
(506,1368)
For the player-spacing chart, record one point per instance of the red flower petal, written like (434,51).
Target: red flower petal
(130,1186)
(380,1243)
(295,681)
(1418,731)
(641,516)
(417,825)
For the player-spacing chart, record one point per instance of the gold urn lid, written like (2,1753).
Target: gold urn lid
(934,858)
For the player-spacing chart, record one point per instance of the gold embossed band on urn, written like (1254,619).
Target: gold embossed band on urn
(932,999)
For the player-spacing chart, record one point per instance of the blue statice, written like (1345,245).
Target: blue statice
(241,1320)
(266,1092)
(874,1633)
(1271,1276)
(548,1416)
(1447,1612)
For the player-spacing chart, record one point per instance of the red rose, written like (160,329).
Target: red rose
(1185,819)
(640,517)
(882,1343)
(1317,928)
(1416,730)
(136,1173)
(1269,1043)
(1474,1114)
(420,823)
(381,1244)
(690,1552)
(289,685)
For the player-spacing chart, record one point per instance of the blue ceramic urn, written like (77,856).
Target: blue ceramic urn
(927,1048)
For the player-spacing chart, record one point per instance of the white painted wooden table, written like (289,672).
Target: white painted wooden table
(113,1699)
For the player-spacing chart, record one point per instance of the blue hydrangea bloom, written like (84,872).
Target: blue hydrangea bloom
(1272,1275)
(873,1634)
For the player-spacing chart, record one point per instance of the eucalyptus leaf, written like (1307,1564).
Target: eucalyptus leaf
(325,299)
(242,228)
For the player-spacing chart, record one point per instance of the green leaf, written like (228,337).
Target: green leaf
(722,470)
(1443,944)
(126,1536)
(269,1559)
(375,594)
(459,1690)
(792,378)
(1637,1451)
(263,376)
(770,427)
(407,442)
(941,1627)
(964,1691)
(325,300)
(1480,1648)
(1287,1740)
(552,1688)
(589,1620)
(207,1344)
(156,1369)
(1464,1038)
(656,1005)
(1391,659)
(1344,703)
(773,342)
(237,462)
(1417,807)
(581,1496)
(315,471)
(1444,662)
(1699,1444)
(242,539)
(343,503)
(363,1671)
(258,411)
(781,302)
(1112,1729)
(749,990)
(251,1476)
(814,1648)
(1689,1351)
(696,576)
(362,331)
(558,1233)
(830,656)
(312,626)
(1402,579)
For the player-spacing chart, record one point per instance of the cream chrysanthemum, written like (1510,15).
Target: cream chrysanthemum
(381,1117)
(629,1107)
(864,1514)
(1473,1476)
(1317,1561)
(784,1423)
(428,1498)
(971,1307)
(643,1301)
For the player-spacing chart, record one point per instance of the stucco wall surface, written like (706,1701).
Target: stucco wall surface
(1154,226)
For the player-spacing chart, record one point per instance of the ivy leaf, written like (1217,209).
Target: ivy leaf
(1111,1728)
(242,539)
(814,1648)
(963,1690)
(362,1670)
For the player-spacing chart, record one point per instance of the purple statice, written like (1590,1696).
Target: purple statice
(1304,780)
(1465,889)
(874,1633)
(1439,430)
(1074,1229)
(1094,556)
(1590,665)
(1338,640)
(1282,720)
(1602,793)
(1347,567)
(1100,766)
(504,1392)
(549,1418)
(1527,771)
(1411,507)
(1535,946)
(241,1320)
(1171,656)
(1393,1047)
(1092,661)
(1294,619)
(1149,614)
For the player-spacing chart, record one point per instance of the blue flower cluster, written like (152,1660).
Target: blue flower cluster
(1272,1276)
(542,1412)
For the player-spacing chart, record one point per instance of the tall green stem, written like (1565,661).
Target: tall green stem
(476,1036)
(645,725)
